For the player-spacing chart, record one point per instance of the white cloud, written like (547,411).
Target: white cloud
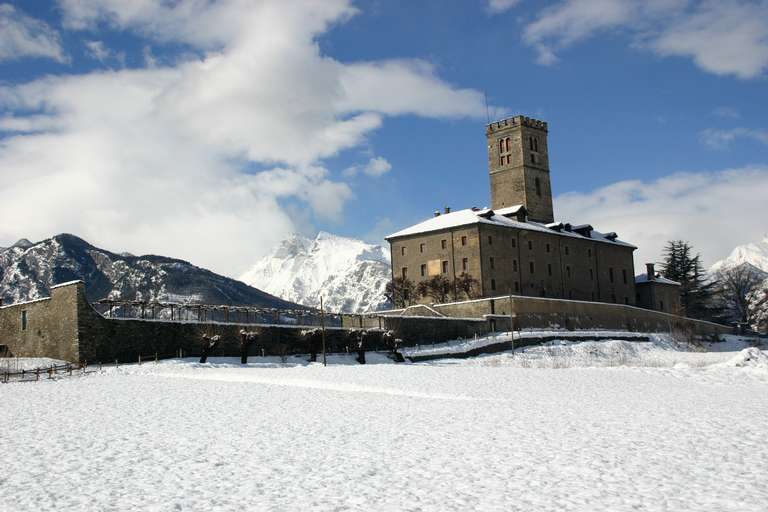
(375,167)
(204,159)
(501,5)
(714,211)
(24,36)
(722,139)
(723,37)
(99,51)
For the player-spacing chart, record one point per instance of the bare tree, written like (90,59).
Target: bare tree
(401,292)
(438,288)
(468,285)
(757,306)
(734,286)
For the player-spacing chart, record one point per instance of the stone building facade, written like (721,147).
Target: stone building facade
(657,293)
(515,247)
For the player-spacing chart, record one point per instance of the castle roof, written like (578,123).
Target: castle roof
(643,278)
(508,217)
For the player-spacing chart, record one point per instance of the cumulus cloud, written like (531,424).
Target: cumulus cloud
(24,36)
(725,37)
(714,211)
(99,51)
(722,139)
(375,167)
(204,159)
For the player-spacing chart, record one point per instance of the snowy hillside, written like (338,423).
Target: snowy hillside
(350,274)
(756,254)
(27,271)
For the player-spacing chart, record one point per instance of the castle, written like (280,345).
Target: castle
(515,246)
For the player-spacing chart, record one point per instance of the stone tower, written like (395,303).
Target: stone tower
(518,162)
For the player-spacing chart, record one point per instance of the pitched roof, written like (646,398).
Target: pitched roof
(504,217)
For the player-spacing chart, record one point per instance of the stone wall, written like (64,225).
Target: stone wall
(51,325)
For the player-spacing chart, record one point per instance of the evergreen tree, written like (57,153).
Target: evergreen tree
(696,290)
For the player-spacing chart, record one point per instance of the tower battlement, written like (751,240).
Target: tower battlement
(513,121)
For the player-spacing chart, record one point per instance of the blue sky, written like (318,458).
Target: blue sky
(209,131)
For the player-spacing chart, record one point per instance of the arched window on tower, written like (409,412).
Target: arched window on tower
(536,144)
(537,181)
(507,143)
(530,143)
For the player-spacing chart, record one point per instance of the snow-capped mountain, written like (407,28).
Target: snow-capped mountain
(27,271)
(755,254)
(350,274)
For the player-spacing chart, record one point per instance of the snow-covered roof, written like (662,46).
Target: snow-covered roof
(643,278)
(503,217)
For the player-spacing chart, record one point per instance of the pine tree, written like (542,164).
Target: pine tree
(696,290)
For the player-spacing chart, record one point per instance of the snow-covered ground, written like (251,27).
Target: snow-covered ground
(477,434)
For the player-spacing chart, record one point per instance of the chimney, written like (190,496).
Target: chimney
(447,209)
(437,213)
(650,272)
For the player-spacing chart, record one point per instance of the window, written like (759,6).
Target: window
(570,294)
(501,146)
(533,158)
(549,269)
(567,251)
(490,240)
(405,272)
(568,271)
(626,300)
(661,305)
(537,182)
(507,141)
(531,267)
(402,250)
(517,286)
(463,240)
(423,269)
(536,144)
(445,267)
(443,243)
(493,284)
(492,261)
(530,143)
(464,264)
(530,245)
(613,297)
(501,160)
(624,275)
(589,252)
(421,247)
(610,275)
(514,243)
(548,248)
(514,265)
(23,320)
(593,295)
(591,275)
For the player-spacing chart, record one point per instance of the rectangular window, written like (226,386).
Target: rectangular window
(549,269)
(517,286)
(402,250)
(445,267)
(624,275)
(463,240)
(492,261)
(589,253)
(464,264)
(568,271)
(493,284)
(591,275)
(548,248)
(23,320)
(567,251)
(626,300)
(421,248)
(514,265)
(405,272)
(443,243)
(490,240)
(423,269)
(533,158)
(610,275)
(531,267)
(661,305)
(530,245)
(514,243)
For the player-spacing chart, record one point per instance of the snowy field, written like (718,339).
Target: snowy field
(491,433)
